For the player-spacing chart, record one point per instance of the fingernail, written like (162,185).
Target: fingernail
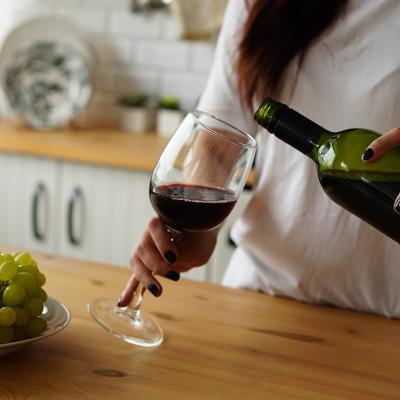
(173,275)
(368,154)
(170,256)
(397,206)
(153,288)
(119,304)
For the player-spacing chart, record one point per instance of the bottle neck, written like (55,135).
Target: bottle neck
(289,125)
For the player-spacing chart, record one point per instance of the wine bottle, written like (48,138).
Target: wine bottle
(366,190)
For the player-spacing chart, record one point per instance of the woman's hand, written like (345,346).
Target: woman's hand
(156,254)
(379,147)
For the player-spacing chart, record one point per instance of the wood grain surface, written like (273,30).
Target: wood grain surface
(220,344)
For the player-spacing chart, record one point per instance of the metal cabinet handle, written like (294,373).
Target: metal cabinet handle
(38,192)
(76,194)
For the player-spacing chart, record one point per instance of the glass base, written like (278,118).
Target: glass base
(126,323)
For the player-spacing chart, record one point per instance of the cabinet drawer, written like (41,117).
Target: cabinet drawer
(29,202)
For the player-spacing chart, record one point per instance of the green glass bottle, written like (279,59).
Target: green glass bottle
(366,190)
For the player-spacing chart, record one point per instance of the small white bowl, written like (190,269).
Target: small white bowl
(57,317)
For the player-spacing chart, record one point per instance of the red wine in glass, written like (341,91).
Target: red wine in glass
(191,208)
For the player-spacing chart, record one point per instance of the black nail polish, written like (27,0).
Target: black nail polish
(173,275)
(368,154)
(170,256)
(154,290)
(119,302)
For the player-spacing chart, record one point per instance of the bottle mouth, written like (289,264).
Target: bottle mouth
(266,113)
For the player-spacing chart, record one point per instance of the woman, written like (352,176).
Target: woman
(332,61)
(381,146)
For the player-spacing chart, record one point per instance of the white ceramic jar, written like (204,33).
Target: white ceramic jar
(168,121)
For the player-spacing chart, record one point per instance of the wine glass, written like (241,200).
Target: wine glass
(193,188)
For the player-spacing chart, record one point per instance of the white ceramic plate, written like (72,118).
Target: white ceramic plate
(59,87)
(57,317)
(47,84)
(47,28)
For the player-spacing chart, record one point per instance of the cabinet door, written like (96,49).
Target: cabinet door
(42,204)
(224,248)
(28,203)
(104,210)
(12,216)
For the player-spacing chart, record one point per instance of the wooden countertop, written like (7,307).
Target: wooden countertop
(93,145)
(220,344)
(103,146)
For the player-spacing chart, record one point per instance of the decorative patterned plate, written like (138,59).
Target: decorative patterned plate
(57,317)
(47,84)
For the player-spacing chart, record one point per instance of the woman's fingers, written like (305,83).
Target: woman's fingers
(396,204)
(150,256)
(157,254)
(128,292)
(140,275)
(162,240)
(379,147)
(153,255)
(382,145)
(144,275)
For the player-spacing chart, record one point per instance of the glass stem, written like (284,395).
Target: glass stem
(133,308)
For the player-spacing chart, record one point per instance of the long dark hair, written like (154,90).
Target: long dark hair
(275,32)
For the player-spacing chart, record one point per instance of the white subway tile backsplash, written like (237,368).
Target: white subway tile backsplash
(103,106)
(104,80)
(117,52)
(27,4)
(188,103)
(187,85)
(201,56)
(12,18)
(169,29)
(138,80)
(136,25)
(53,3)
(90,19)
(125,4)
(164,54)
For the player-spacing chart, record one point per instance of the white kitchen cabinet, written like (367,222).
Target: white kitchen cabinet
(41,205)
(77,210)
(84,211)
(29,202)
(12,177)
(104,210)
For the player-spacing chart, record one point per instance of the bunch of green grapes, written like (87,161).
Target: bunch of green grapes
(21,297)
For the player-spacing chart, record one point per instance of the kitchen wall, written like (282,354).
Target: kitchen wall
(136,52)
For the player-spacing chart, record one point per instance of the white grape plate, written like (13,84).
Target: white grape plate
(57,317)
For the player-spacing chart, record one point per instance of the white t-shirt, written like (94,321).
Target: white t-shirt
(292,239)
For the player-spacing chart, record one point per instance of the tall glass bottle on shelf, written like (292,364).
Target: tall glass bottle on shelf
(366,190)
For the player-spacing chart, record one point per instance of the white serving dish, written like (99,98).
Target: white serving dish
(28,90)
(47,28)
(57,317)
